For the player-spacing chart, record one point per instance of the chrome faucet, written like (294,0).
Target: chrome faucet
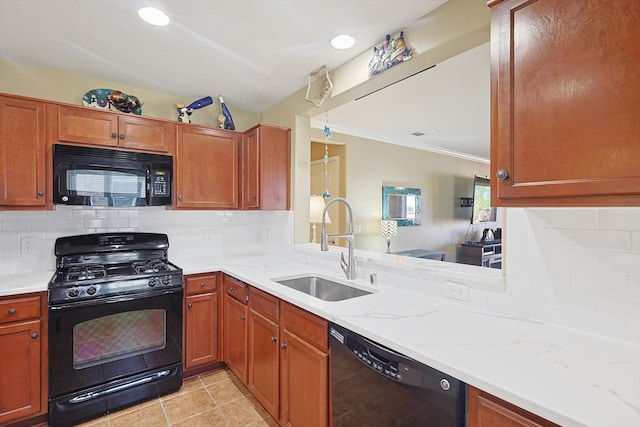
(349,267)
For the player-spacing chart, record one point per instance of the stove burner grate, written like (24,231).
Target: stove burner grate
(86,272)
(153,266)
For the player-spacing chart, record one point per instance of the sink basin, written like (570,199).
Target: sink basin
(322,288)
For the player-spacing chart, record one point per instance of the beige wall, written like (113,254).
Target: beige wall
(43,83)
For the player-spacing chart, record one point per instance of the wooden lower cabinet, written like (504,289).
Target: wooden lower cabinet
(486,410)
(235,327)
(23,357)
(264,351)
(304,369)
(201,320)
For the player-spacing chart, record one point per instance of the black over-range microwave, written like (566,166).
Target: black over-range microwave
(105,177)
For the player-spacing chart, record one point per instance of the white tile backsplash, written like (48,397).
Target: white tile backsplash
(577,267)
(191,233)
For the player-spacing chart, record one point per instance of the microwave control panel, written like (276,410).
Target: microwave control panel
(160,183)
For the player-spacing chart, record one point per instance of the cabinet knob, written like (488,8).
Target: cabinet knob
(254,197)
(34,335)
(273,339)
(12,311)
(232,289)
(114,135)
(202,284)
(283,346)
(243,317)
(122,136)
(189,305)
(179,197)
(40,193)
(502,174)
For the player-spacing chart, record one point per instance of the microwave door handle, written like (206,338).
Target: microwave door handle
(148,186)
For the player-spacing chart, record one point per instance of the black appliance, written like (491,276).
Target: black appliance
(106,177)
(374,386)
(115,324)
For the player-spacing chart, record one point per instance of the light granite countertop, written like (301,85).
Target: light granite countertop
(567,376)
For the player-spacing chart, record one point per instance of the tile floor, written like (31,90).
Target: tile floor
(212,399)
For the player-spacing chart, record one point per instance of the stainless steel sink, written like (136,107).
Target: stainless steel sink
(322,288)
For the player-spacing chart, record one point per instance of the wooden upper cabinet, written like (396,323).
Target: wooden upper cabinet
(207,163)
(565,80)
(23,167)
(89,126)
(266,168)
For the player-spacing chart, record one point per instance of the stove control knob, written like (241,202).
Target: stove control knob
(166,280)
(91,290)
(153,282)
(73,292)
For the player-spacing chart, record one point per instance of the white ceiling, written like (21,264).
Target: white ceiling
(255,53)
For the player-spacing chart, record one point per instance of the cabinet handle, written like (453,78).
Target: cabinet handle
(34,335)
(243,317)
(12,311)
(113,135)
(202,284)
(502,174)
(190,305)
(122,136)
(283,346)
(232,289)
(40,193)
(273,339)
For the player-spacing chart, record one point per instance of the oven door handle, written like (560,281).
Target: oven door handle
(113,299)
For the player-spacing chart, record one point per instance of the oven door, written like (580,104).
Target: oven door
(102,341)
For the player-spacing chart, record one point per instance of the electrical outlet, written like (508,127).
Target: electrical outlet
(27,245)
(457,291)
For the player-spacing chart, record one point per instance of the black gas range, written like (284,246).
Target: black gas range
(93,266)
(115,324)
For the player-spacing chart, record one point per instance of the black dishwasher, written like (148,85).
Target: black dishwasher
(375,386)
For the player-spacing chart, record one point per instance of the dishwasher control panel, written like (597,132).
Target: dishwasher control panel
(381,360)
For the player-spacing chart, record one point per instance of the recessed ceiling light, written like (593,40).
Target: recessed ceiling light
(153,16)
(343,41)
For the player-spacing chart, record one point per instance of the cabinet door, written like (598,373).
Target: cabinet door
(207,168)
(201,329)
(486,410)
(565,103)
(86,126)
(251,191)
(22,153)
(144,134)
(235,337)
(264,375)
(20,370)
(267,166)
(305,384)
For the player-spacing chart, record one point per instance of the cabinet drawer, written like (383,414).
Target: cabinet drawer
(19,309)
(263,303)
(312,328)
(201,283)
(236,289)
